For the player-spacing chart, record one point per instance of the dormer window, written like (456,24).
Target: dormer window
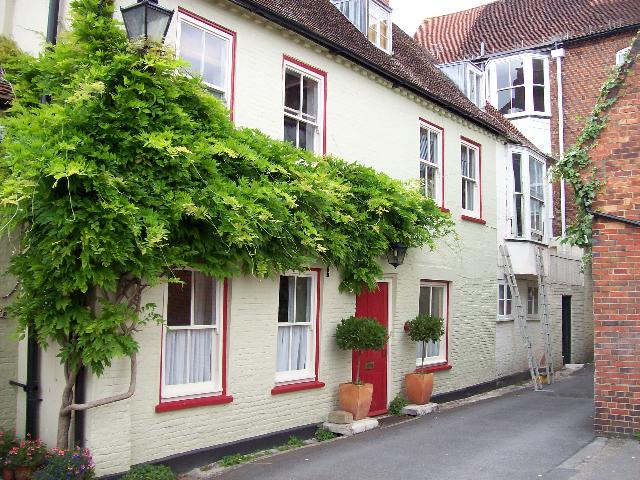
(371,17)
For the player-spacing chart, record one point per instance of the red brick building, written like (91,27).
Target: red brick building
(518,46)
(616,261)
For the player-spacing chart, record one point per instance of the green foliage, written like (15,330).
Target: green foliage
(73,464)
(425,328)
(235,459)
(397,404)
(149,472)
(576,168)
(133,168)
(360,333)
(8,440)
(323,435)
(294,442)
(26,453)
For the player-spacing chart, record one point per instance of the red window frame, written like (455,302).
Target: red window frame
(307,384)
(442,365)
(468,218)
(167,405)
(323,74)
(233,36)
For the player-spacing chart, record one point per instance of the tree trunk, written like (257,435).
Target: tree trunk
(64,416)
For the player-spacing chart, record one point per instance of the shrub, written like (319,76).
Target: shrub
(231,460)
(360,333)
(150,472)
(72,464)
(396,405)
(27,453)
(323,435)
(425,328)
(8,440)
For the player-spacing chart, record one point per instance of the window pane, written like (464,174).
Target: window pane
(373,30)
(292,90)
(215,60)
(179,300)
(516,160)
(433,148)
(536,179)
(291,131)
(437,302)
(433,349)
(424,144)
(191,46)
(299,339)
(200,359)
(468,194)
(502,75)
(283,299)
(472,163)
(538,99)
(431,182)
(310,99)
(303,299)
(204,307)
(538,71)
(517,72)
(464,161)
(423,176)
(517,100)
(175,364)
(424,303)
(282,357)
(504,101)
(306,136)
(519,204)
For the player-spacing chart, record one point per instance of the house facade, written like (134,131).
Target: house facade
(241,358)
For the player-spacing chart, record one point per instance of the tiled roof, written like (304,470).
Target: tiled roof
(410,65)
(507,25)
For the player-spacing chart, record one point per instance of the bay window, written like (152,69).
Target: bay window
(208,49)
(297,324)
(192,338)
(528,210)
(433,301)
(431,162)
(520,85)
(469,165)
(303,107)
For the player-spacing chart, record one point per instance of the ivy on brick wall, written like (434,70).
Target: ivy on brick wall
(132,169)
(576,167)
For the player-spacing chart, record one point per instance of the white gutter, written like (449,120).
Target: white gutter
(558,54)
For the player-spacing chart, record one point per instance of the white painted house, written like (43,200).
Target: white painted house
(241,358)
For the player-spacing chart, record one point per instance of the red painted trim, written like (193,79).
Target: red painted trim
(445,365)
(317,272)
(479,147)
(438,127)
(323,74)
(165,405)
(374,413)
(473,219)
(435,368)
(295,387)
(445,210)
(192,403)
(233,36)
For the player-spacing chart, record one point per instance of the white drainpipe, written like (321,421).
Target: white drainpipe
(558,54)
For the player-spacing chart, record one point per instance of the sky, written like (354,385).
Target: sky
(408,14)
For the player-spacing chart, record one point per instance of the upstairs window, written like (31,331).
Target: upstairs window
(303,107)
(431,162)
(209,51)
(379,32)
(475,90)
(355,11)
(470,180)
(520,85)
(528,211)
(621,55)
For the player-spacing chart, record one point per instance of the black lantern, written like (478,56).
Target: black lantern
(396,254)
(146,19)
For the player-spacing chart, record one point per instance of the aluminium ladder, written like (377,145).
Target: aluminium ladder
(520,317)
(548,366)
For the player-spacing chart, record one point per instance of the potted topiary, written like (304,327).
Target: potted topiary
(424,328)
(358,334)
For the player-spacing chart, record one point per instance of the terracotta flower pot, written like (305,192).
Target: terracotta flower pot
(419,387)
(356,399)
(23,473)
(7,474)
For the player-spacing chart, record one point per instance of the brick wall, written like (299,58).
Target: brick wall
(8,345)
(584,69)
(616,267)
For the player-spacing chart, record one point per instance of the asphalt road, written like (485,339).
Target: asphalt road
(522,435)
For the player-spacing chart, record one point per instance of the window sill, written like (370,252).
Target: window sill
(295,387)
(543,243)
(473,219)
(515,116)
(434,368)
(504,319)
(170,406)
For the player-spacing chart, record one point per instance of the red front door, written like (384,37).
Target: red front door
(373,367)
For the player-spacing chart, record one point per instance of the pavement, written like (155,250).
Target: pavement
(521,435)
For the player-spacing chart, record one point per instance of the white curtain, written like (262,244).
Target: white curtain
(282,362)
(299,347)
(176,357)
(201,346)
